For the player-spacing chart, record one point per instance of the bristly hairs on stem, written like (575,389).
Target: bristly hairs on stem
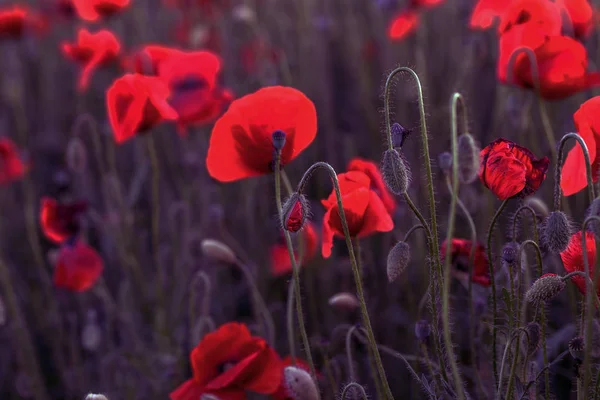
(559,165)
(355,270)
(516,217)
(447,267)
(515,335)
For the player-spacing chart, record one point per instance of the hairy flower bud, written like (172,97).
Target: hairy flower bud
(278,139)
(468,158)
(510,252)
(345,301)
(557,231)
(422,330)
(445,161)
(395,172)
(577,348)
(546,288)
(397,260)
(294,212)
(299,384)
(218,251)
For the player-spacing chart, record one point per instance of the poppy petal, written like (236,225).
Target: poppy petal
(375,218)
(403,25)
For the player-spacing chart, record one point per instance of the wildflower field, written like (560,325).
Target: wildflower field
(299,199)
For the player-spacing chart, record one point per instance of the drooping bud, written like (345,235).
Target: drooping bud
(218,251)
(299,384)
(468,158)
(422,330)
(278,139)
(399,133)
(577,348)
(445,161)
(547,287)
(509,253)
(557,231)
(345,301)
(533,334)
(395,172)
(397,260)
(594,210)
(294,212)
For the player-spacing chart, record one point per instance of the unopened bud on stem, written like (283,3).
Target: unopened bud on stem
(395,172)
(546,288)
(294,212)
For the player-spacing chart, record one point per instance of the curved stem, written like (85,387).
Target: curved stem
(513,368)
(413,229)
(446,282)
(514,336)
(559,164)
(533,220)
(493,282)
(545,369)
(355,269)
(349,353)
(356,386)
(290,320)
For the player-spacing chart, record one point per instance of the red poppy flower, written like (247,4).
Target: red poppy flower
(136,103)
(147,60)
(486,12)
(581,15)
(92,50)
(574,178)
(92,10)
(59,221)
(78,267)
(16,19)
(12,167)
(510,170)
(377,184)
(282,392)
(365,212)
(241,144)
(572,258)
(228,362)
(460,251)
(280,258)
(403,25)
(192,79)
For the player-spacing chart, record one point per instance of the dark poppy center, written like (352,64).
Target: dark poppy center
(189,83)
(225,366)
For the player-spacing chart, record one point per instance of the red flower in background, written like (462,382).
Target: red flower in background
(59,221)
(92,10)
(280,258)
(407,21)
(572,258)
(147,60)
(228,362)
(581,15)
(486,12)
(137,103)
(573,177)
(510,170)
(365,212)
(78,267)
(15,20)
(12,167)
(377,184)
(282,393)
(241,144)
(192,78)
(92,50)
(460,251)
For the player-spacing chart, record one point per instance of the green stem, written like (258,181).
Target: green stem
(514,336)
(533,221)
(559,164)
(493,282)
(413,229)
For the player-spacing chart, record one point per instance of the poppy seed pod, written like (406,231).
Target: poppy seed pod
(397,260)
(533,333)
(218,251)
(294,212)
(468,158)
(577,348)
(344,301)
(278,139)
(509,253)
(546,288)
(445,160)
(399,133)
(594,210)
(396,174)
(422,330)
(557,231)
(299,384)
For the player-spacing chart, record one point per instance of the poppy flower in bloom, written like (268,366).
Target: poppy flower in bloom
(572,258)
(195,96)
(92,50)
(364,209)
(282,392)
(147,60)
(92,10)
(280,258)
(15,20)
(12,166)
(377,184)
(241,144)
(581,14)
(136,103)
(574,178)
(407,21)
(59,221)
(460,251)
(78,266)
(510,170)
(228,362)
(486,12)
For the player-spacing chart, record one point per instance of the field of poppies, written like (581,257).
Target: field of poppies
(299,199)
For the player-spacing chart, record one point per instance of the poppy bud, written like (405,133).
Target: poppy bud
(218,251)
(445,160)
(546,288)
(299,384)
(594,210)
(344,300)
(422,330)
(576,348)
(399,133)
(397,260)
(92,396)
(76,155)
(278,139)
(294,211)
(509,253)
(468,158)
(395,173)
(533,332)
(557,231)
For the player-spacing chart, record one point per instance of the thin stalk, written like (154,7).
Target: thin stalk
(355,270)
(545,369)
(514,336)
(533,221)
(559,164)
(349,357)
(585,276)
(413,229)
(513,369)
(493,282)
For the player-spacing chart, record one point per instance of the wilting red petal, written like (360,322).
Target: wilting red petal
(572,258)
(460,252)
(279,255)
(241,141)
(403,25)
(78,267)
(12,168)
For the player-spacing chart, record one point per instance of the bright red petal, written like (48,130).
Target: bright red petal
(403,25)
(572,258)
(78,267)
(376,218)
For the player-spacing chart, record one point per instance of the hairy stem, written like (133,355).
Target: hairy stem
(559,164)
